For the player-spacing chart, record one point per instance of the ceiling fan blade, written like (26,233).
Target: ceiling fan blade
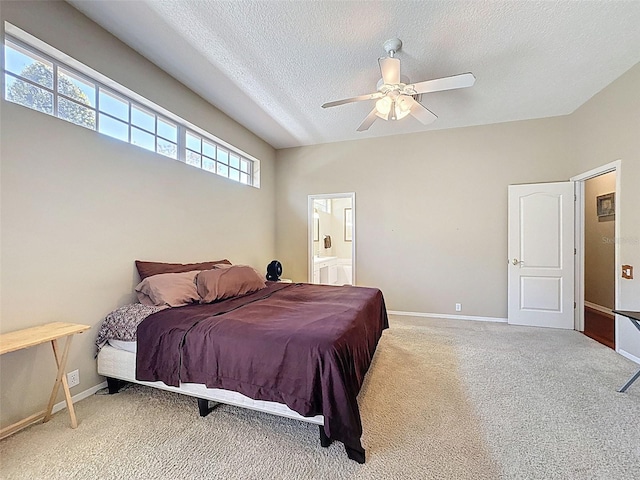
(422,113)
(390,69)
(367,122)
(446,83)
(369,96)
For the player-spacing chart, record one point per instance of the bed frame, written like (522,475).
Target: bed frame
(119,366)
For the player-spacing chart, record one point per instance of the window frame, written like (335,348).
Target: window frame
(101,84)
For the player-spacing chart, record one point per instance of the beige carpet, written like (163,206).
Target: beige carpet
(443,399)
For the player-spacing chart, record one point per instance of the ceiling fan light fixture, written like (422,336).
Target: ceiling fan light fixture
(403,108)
(390,109)
(396,97)
(383,106)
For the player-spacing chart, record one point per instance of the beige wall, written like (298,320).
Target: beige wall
(341,248)
(599,244)
(332,224)
(78,207)
(324,224)
(604,129)
(431,208)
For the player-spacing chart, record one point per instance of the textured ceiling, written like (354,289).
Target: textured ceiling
(270,64)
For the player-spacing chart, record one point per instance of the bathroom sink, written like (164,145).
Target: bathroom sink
(323,259)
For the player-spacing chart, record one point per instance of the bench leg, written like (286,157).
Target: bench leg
(61,380)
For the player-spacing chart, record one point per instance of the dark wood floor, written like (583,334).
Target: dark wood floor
(600,326)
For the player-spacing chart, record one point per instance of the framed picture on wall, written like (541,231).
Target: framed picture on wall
(348,225)
(606,204)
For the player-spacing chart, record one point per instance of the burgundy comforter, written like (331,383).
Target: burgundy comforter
(307,346)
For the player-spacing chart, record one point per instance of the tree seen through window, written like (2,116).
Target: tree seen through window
(41,99)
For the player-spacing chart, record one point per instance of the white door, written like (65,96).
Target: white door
(541,255)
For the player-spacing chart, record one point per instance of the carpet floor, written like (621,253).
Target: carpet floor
(444,399)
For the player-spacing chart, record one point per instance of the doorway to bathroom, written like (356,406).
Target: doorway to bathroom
(332,239)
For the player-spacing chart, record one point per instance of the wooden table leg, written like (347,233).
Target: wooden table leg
(61,378)
(13,428)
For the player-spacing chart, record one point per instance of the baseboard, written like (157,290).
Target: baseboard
(447,316)
(598,308)
(79,396)
(628,355)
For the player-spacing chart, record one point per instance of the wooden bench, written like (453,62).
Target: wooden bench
(29,337)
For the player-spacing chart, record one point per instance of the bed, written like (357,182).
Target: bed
(295,350)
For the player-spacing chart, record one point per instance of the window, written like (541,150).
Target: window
(37,78)
(213,157)
(322,204)
(28,79)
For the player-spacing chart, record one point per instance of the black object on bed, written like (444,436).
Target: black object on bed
(307,346)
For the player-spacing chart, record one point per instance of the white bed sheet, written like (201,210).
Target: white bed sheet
(121,364)
(122,345)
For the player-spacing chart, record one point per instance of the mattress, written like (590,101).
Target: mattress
(121,364)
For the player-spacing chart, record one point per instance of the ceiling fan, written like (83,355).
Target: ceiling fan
(396,97)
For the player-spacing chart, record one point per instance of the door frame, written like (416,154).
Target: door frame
(615,166)
(311,198)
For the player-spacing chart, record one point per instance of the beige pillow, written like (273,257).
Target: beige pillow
(173,289)
(227,282)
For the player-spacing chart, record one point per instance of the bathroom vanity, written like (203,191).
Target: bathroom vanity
(325,270)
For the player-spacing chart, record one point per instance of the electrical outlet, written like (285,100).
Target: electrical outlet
(458,307)
(73,378)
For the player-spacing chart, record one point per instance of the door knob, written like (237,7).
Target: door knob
(515,261)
